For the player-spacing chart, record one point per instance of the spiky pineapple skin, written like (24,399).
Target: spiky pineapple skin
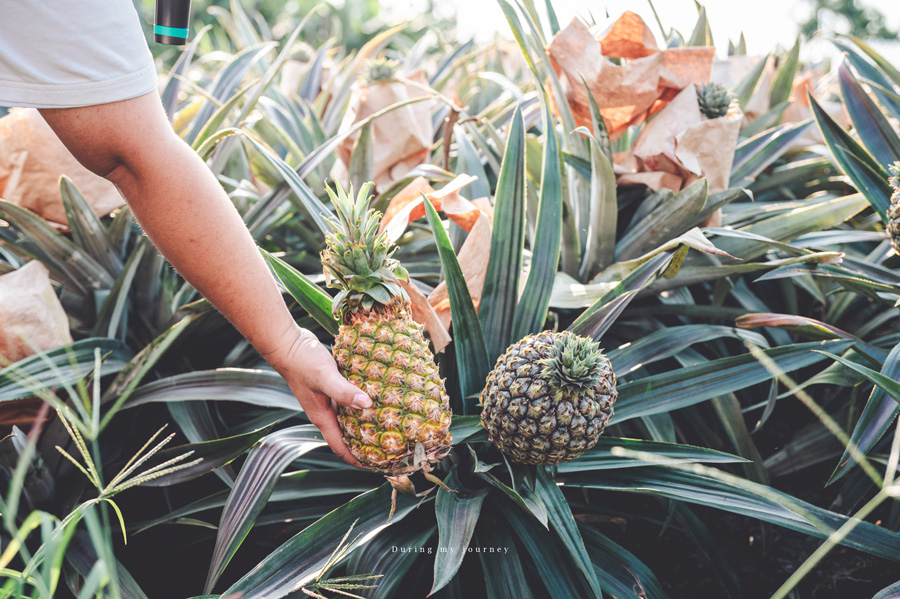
(535,422)
(383,351)
(893,212)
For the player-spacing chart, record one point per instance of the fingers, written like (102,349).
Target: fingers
(326,422)
(342,391)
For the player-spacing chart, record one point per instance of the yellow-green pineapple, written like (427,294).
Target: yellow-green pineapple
(382,350)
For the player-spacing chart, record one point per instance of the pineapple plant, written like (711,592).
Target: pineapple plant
(893,213)
(382,350)
(381,68)
(548,398)
(714,100)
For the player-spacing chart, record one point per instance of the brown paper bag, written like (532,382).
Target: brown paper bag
(31,313)
(433,310)
(401,138)
(626,94)
(32,159)
(680,145)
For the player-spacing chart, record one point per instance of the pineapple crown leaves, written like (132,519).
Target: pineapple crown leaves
(714,100)
(894,180)
(575,365)
(357,259)
(380,68)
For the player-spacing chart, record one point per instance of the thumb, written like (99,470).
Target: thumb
(343,391)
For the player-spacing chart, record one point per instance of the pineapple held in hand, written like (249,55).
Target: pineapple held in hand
(549,398)
(382,350)
(893,213)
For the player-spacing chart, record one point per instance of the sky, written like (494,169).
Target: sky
(766,24)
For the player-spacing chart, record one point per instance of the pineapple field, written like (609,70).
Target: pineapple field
(625,300)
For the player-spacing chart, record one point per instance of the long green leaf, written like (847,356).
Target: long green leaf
(744,88)
(314,209)
(531,312)
(113,317)
(299,559)
(754,155)
(226,83)
(468,337)
(562,521)
(873,128)
(383,555)
(501,284)
(263,388)
(784,76)
(82,271)
(595,321)
(72,363)
(362,158)
(691,385)
(670,216)
(561,577)
(215,454)
(746,498)
(87,230)
(866,175)
(129,377)
(251,490)
(619,572)
(668,341)
(880,411)
(456,513)
(885,65)
(504,576)
(309,295)
(604,213)
(601,456)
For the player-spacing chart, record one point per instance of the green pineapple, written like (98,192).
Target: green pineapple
(714,100)
(381,68)
(548,398)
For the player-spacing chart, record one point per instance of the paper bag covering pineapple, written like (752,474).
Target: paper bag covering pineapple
(31,318)
(32,159)
(401,138)
(627,93)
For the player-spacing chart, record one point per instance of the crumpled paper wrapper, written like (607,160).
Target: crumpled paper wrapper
(433,310)
(626,94)
(30,312)
(401,139)
(32,159)
(680,145)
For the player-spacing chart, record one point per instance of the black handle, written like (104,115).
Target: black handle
(172,21)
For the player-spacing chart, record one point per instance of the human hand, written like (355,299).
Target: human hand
(313,377)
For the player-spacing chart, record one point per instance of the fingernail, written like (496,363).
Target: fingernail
(362,401)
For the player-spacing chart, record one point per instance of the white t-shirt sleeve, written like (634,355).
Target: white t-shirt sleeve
(66,53)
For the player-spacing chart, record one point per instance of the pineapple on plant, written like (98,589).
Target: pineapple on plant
(383,351)
(548,398)
(893,213)
(714,100)
(380,69)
